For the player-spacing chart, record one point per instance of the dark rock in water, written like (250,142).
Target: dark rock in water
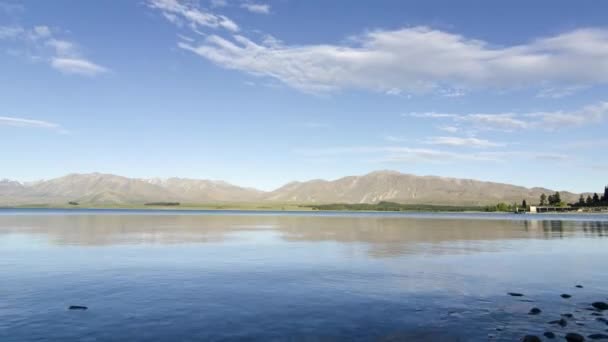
(561,322)
(531,338)
(596,314)
(77,307)
(515,294)
(600,305)
(549,334)
(574,337)
(565,295)
(568,315)
(579,286)
(534,311)
(602,319)
(598,336)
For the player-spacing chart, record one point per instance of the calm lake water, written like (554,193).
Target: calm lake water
(191,276)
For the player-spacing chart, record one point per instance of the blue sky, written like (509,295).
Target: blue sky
(260,93)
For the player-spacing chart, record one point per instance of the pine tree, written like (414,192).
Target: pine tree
(543,199)
(557,198)
(596,199)
(524,204)
(581,201)
(589,201)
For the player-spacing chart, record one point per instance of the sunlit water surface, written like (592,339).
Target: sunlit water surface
(190,276)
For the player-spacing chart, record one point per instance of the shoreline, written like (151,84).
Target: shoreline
(294,209)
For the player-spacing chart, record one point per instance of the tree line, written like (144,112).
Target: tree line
(590,201)
(593,201)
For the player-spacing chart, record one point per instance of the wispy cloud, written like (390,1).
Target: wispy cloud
(256,8)
(219,3)
(559,92)
(77,66)
(39,43)
(187,13)
(21,122)
(590,114)
(394,139)
(11,8)
(399,154)
(449,129)
(461,142)
(417,59)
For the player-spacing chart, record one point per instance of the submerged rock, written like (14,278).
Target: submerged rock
(568,315)
(549,334)
(531,338)
(515,294)
(574,337)
(534,311)
(602,319)
(598,336)
(561,322)
(579,286)
(78,307)
(600,306)
(565,295)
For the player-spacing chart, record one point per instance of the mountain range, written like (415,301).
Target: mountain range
(108,189)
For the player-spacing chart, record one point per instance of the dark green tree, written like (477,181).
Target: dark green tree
(581,201)
(543,199)
(596,199)
(555,199)
(589,200)
(605,198)
(524,204)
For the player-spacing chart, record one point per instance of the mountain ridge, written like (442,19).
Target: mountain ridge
(373,187)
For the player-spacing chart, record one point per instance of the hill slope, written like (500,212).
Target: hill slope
(105,189)
(408,189)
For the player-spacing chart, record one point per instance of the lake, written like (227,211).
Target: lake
(227,275)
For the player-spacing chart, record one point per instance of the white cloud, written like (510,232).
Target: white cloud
(505,122)
(558,92)
(77,66)
(400,154)
(256,8)
(180,12)
(63,55)
(10,32)
(449,129)
(394,139)
(461,142)
(431,115)
(418,59)
(42,31)
(587,115)
(552,157)
(219,3)
(590,114)
(21,122)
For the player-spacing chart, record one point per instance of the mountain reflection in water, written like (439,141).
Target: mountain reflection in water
(155,275)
